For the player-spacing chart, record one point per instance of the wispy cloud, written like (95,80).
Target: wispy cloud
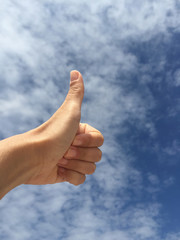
(107,41)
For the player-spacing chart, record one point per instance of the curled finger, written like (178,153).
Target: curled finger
(71,176)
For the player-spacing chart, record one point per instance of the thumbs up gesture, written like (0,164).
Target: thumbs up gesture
(64,149)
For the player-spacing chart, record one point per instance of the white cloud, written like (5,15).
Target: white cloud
(40,43)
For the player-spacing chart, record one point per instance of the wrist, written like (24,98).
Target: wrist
(15,164)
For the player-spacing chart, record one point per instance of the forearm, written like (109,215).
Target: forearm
(14,165)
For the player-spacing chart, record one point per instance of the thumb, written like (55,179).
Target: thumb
(76,90)
(65,121)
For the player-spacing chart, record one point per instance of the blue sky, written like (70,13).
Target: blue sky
(128,53)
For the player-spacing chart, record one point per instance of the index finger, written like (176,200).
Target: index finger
(88,136)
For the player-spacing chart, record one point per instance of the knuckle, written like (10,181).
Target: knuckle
(91,168)
(75,182)
(101,140)
(75,112)
(72,109)
(75,86)
(99,154)
(79,180)
(76,89)
(83,179)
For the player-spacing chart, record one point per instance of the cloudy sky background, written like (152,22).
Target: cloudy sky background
(128,53)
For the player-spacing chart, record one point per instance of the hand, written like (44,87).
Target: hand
(64,149)
(81,157)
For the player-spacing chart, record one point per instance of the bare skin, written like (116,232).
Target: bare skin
(61,149)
